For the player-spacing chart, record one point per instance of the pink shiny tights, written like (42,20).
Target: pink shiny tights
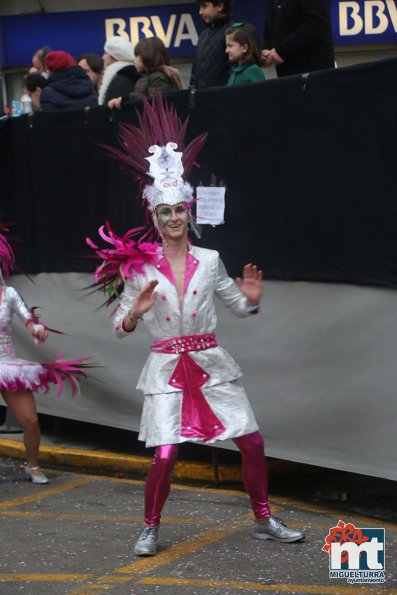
(254,466)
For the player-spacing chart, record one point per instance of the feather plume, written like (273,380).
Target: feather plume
(63,369)
(122,260)
(7,258)
(159,124)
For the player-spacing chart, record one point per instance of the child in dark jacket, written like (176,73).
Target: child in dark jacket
(210,64)
(152,62)
(243,51)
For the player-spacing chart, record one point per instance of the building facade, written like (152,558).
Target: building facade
(363,29)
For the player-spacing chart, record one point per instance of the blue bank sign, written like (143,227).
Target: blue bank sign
(354,22)
(364,21)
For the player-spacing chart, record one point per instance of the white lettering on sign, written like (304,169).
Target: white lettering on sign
(186,22)
(349,9)
(379,13)
(165,36)
(179,28)
(116,27)
(139,25)
(392,8)
(374,18)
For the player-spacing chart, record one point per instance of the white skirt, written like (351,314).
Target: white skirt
(161,416)
(19,374)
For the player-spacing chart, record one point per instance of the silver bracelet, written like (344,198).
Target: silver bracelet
(253,309)
(134,317)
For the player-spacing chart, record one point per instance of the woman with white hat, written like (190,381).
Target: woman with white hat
(120,73)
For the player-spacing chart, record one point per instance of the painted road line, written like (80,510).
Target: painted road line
(175,486)
(119,462)
(178,551)
(273,588)
(277,504)
(184,548)
(172,554)
(88,589)
(115,579)
(340,513)
(40,495)
(105,518)
(325,524)
(56,578)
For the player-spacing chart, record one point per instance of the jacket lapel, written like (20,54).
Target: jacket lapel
(192,262)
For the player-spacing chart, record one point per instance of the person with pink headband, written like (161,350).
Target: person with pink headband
(191,385)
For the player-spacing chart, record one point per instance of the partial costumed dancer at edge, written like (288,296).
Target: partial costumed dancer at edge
(20,378)
(191,385)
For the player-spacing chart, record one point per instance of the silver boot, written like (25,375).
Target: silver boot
(147,542)
(275,529)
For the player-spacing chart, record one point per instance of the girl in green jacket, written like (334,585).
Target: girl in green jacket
(243,50)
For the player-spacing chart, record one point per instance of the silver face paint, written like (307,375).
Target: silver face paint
(165,214)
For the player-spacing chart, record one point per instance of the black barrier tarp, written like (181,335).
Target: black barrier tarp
(310,165)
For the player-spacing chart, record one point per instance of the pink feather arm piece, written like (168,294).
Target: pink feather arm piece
(122,261)
(62,370)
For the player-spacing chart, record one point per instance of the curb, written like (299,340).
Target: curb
(110,461)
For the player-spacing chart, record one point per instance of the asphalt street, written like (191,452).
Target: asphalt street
(75,535)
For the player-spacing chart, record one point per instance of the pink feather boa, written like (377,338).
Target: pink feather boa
(19,376)
(122,261)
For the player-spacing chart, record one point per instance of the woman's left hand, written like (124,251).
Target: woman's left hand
(251,284)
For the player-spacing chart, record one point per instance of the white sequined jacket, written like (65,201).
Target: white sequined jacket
(205,276)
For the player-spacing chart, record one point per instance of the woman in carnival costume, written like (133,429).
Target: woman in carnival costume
(191,385)
(20,378)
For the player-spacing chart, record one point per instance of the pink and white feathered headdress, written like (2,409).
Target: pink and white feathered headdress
(7,258)
(155,154)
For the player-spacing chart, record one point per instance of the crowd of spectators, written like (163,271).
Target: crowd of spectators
(297,39)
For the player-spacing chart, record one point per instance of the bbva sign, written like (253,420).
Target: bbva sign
(178,28)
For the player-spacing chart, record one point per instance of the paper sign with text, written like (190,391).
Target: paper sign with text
(210,205)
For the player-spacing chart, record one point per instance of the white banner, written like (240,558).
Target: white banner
(318,361)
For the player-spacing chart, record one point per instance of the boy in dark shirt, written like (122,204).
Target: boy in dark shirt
(210,64)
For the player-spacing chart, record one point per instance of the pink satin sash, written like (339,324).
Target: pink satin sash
(198,419)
